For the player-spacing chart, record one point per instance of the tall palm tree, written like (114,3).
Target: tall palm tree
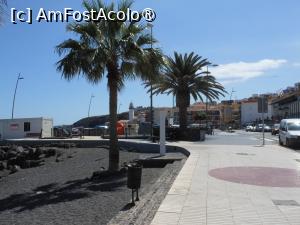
(119,50)
(3,4)
(184,77)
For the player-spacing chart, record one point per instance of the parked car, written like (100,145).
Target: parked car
(250,128)
(77,131)
(260,127)
(289,132)
(268,128)
(275,129)
(194,125)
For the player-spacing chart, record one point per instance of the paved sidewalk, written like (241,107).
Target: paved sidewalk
(202,195)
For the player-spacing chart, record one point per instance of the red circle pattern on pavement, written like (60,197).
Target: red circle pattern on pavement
(259,176)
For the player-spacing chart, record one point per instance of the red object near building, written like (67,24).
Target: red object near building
(120,128)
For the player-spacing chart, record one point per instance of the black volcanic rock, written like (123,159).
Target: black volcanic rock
(11,154)
(2,155)
(14,169)
(2,167)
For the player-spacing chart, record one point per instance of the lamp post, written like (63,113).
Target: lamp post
(263,119)
(231,106)
(14,99)
(150,25)
(206,103)
(231,93)
(119,108)
(92,96)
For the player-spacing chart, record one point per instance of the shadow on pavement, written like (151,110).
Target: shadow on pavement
(55,193)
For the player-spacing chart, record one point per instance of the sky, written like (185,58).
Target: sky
(255,43)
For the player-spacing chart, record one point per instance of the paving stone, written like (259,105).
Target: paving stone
(210,200)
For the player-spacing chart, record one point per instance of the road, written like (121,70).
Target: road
(240,137)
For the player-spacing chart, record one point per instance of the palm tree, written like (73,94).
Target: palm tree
(184,77)
(3,4)
(119,50)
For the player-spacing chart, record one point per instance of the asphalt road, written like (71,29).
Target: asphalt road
(240,137)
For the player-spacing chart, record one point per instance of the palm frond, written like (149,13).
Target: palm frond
(102,44)
(184,74)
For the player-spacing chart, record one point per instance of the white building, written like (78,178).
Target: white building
(249,111)
(25,127)
(131,112)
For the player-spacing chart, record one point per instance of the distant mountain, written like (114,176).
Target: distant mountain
(90,122)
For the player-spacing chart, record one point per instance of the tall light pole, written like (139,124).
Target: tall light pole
(263,118)
(206,103)
(92,96)
(232,91)
(150,25)
(13,105)
(231,105)
(119,108)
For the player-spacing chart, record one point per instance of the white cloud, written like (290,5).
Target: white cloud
(296,64)
(242,71)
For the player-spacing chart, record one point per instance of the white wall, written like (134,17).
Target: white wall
(47,128)
(11,129)
(249,112)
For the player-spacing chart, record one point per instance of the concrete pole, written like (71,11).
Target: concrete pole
(150,25)
(14,99)
(263,119)
(162,132)
(92,96)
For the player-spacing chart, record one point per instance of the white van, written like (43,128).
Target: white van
(289,132)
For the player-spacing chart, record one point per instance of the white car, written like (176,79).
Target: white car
(249,128)
(289,132)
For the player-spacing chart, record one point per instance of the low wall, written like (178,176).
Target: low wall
(188,134)
(137,146)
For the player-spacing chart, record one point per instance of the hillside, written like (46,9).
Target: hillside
(90,122)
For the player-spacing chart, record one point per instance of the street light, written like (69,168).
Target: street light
(119,108)
(92,96)
(150,25)
(232,91)
(13,105)
(231,106)
(206,104)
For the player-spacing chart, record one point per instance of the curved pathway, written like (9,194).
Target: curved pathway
(225,181)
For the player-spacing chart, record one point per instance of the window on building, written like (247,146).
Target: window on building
(26,126)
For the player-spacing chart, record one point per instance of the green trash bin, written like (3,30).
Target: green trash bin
(134,178)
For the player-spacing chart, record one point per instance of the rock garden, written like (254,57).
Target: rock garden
(54,185)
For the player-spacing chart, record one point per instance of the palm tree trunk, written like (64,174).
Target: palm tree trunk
(113,102)
(182,111)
